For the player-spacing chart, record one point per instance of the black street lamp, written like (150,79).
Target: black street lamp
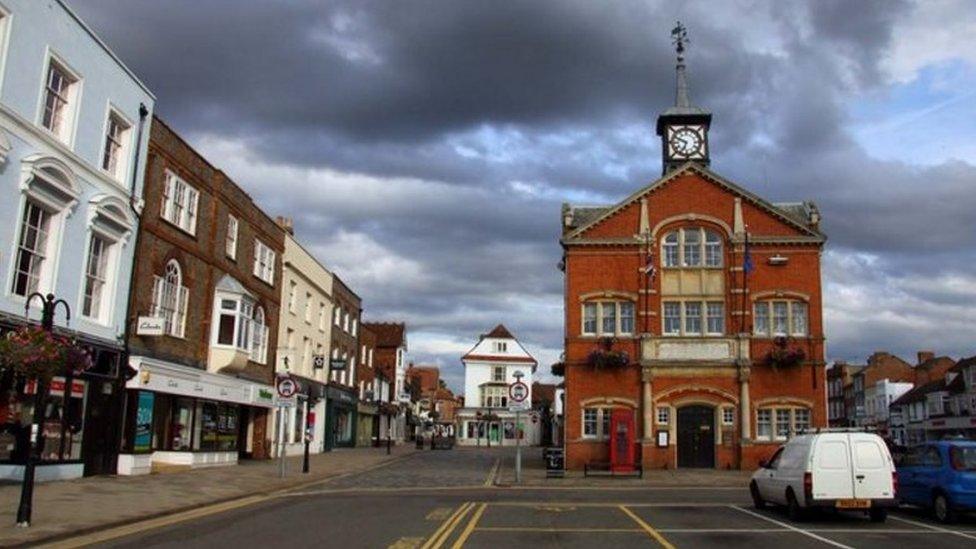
(40,395)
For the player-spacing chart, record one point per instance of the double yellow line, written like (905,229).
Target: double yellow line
(446,529)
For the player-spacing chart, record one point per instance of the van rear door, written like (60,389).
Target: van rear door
(872,467)
(832,473)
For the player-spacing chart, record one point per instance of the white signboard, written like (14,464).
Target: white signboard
(285,402)
(150,326)
(518,406)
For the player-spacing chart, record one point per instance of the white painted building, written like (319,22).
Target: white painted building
(489,370)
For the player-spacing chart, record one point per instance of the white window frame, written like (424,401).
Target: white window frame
(65,132)
(178,193)
(662,415)
(308,308)
(5,22)
(766,326)
(264,262)
(728,415)
(248,336)
(230,241)
(683,318)
(106,303)
(674,243)
(602,431)
(494,396)
(602,308)
(321,316)
(495,370)
(774,420)
(170,288)
(45,273)
(123,142)
(292,295)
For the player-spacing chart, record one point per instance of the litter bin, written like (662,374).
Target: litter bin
(555,462)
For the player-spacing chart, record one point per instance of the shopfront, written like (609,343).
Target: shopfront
(180,417)
(340,416)
(368,423)
(79,427)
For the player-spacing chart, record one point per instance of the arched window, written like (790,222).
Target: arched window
(170,299)
(259,334)
(692,247)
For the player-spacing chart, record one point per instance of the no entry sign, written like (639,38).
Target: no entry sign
(286,386)
(518,391)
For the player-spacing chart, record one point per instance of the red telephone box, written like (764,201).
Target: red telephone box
(622,441)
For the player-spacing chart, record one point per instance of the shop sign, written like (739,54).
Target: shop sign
(337,364)
(142,442)
(265,395)
(57,387)
(318,361)
(150,326)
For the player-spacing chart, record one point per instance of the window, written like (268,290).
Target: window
(336,313)
(264,262)
(292,297)
(494,396)
(498,373)
(693,318)
(692,247)
(230,245)
(728,416)
(501,347)
(308,308)
(608,318)
(60,90)
(781,422)
(596,422)
(589,318)
(321,317)
(32,249)
(241,324)
(663,415)
(716,317)
(96,277)
(780,318)
(113,156)
(180,202)
(672,318)
(170,300)
(355,326)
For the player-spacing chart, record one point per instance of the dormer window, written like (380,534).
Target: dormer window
(691,247)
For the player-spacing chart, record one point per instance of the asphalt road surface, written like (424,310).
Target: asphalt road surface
(440,499)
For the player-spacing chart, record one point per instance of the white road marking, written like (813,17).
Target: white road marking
(933,528)
(793,528)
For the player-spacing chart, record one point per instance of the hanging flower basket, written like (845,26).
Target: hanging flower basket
(606,357)
(34,353)
(784,356)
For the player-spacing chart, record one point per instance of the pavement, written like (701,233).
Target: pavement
(459,498)
(80,505)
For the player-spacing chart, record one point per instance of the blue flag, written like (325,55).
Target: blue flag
(747,266)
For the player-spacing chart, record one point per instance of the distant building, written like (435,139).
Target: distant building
(941,404)
(391,356)
(489,370)
(342,393)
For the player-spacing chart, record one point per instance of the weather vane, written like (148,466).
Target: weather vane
(679,35)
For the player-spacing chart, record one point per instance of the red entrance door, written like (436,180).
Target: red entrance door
(622,440)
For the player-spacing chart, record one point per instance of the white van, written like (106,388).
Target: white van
(848,471)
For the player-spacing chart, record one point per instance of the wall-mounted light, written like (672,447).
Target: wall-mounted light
(778,260)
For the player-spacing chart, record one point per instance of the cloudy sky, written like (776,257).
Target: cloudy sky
(424,148)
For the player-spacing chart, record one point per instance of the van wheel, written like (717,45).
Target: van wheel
(943,510)
(793,509)
(757,500)
(878,514)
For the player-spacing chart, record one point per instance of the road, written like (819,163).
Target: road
(444,499)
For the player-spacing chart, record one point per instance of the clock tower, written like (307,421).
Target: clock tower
(683,128)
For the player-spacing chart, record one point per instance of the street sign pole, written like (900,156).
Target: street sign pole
(518,392)
(281,441)
(518,449)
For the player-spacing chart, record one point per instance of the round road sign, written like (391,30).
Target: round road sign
(518,391)
(286,386)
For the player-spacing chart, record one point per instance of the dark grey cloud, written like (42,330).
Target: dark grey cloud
(476,119)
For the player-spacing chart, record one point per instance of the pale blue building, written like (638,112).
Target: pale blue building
(73,137)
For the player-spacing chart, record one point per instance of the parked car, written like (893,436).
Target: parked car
(940,476)
(847,471)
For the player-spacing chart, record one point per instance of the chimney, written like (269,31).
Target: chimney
(925,355)
(286,223)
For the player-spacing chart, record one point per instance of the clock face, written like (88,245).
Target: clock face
(686,142)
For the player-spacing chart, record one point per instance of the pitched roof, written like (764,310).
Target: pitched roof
(388,334)
(963,362)
(921,392)
(787,212)
(500,332)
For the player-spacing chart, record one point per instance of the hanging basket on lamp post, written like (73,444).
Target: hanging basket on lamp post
(34,353)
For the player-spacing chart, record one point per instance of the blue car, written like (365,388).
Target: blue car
(940,476)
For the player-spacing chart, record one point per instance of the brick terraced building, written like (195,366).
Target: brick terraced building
(718,358)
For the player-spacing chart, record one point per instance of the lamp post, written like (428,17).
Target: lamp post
(49,304)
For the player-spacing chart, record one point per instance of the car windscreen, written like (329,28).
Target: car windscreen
(963,458)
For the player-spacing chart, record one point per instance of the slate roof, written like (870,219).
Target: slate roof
(921,392)
(500,332)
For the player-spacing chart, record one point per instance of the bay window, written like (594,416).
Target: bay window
(775,318)
(494,396)
(241,324)
(693,318)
